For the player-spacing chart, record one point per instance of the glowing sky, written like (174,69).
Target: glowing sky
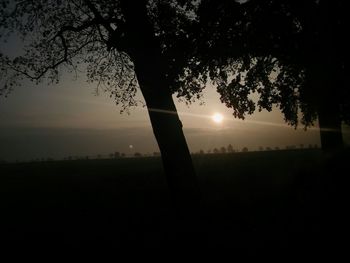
(68,119)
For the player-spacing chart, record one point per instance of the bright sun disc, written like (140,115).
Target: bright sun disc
(217,117)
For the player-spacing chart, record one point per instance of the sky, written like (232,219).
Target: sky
(68,119)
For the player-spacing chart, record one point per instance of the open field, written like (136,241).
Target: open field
(257,200)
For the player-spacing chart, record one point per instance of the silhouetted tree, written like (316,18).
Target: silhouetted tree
(216,150)
(223,149)
(281,50)
(290,147)
(137,154)
(125,45)
(291,53)
(116,155)
(201,152)
(230,148)
(245,149)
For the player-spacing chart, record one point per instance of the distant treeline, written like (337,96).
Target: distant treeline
(216,150)
(231,149)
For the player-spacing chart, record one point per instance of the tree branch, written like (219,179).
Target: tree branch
(80,28)
(64,44)
(99,17)
(53,66)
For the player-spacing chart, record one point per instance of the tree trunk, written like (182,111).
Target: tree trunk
(143,47)
(326,78)
(330,128)
(327,105)
(177,161)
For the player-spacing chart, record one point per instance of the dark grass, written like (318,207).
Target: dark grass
(280,199)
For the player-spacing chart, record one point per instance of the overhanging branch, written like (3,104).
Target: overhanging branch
(99,17)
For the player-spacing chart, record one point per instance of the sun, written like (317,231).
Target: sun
(217,117)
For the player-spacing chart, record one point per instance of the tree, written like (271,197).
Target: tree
(137,154)
(125,45)
(223,149)
(291,53)
(230,148)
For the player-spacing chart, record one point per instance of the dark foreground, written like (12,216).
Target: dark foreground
(292,200)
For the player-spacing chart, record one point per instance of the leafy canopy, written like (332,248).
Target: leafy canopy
(243,47)
(289,52)
(90,35)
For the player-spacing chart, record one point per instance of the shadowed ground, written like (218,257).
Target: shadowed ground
(257,200)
